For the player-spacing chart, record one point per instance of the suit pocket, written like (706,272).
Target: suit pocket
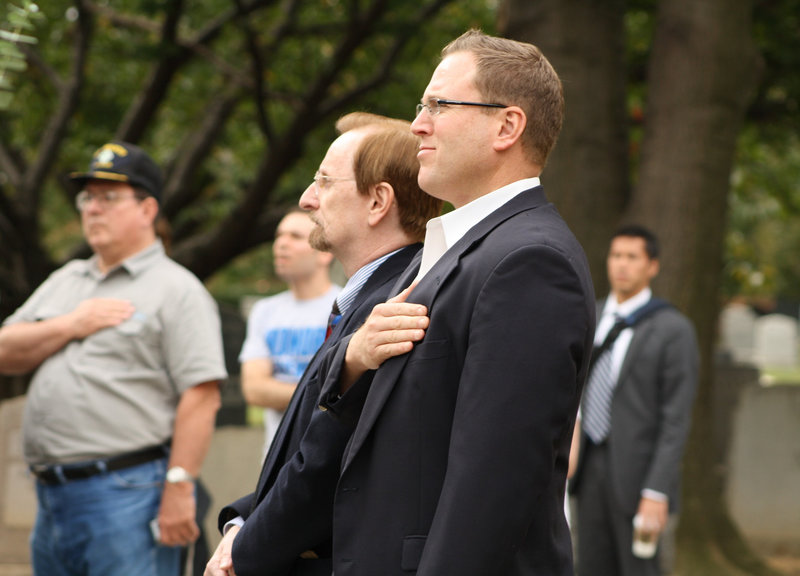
(412,552)
(430,349)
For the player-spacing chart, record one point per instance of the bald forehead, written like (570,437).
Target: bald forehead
(343,149)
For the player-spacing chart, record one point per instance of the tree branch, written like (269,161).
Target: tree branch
(179,191)
(54,132)
(384,69)
(10,166)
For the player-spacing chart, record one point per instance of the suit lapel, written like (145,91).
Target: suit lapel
(425,293)
(405,279)
(641,333)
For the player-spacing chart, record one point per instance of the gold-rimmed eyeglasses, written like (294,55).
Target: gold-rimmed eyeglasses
(323,182)
(434,105)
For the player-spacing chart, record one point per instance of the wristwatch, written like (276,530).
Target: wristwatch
(178,474)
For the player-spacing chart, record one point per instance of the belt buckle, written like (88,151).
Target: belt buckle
(39,470)
(48,474)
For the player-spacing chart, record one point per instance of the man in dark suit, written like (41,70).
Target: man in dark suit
(370,213)
(464,395)
(635,415)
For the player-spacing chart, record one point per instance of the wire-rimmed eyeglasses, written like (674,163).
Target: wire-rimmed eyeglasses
(323,182)
(434,105)
(104,198)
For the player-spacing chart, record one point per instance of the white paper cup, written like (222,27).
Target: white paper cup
(645,538)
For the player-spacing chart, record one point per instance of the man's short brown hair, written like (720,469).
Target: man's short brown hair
(388,153)
(517,74)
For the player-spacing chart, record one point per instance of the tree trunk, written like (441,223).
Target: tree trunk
(587,174)
(701,78)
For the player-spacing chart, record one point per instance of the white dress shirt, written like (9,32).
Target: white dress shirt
(446,230)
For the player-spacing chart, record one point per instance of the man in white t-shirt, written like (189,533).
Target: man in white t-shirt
(285,330)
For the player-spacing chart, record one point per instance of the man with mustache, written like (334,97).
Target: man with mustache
(370,213)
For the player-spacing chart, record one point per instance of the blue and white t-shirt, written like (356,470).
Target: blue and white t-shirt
(288,332)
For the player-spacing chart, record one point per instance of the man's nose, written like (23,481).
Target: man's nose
(309,200)
(422,123)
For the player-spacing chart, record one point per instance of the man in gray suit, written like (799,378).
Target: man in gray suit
(636,413)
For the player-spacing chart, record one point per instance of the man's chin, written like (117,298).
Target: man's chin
(318,241)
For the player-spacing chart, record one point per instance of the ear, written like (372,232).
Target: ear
(655,266)
(150,208)
(381,200)
(512,125)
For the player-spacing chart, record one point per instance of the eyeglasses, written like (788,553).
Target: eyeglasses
(434,105)
(322,182)
(104,198)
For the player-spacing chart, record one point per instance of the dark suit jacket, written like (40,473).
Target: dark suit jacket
(458,462)
(290,511)
(650,411)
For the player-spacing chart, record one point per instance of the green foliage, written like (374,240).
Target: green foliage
(12,60)
(777,32)
(764,222)
(764,206)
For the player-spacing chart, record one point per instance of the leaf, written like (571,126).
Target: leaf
(5,99)
(17,65)
(17,37)
(22,22)
(9,50)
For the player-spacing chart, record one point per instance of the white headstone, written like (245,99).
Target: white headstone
(776,340)
(737,331)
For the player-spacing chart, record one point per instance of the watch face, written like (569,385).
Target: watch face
(178,474)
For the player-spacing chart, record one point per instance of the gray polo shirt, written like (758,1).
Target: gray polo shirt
(116,391)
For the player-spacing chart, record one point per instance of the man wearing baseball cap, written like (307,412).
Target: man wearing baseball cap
(126,354)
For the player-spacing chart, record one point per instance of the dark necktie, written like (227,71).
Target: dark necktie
(333,319)
(596,410)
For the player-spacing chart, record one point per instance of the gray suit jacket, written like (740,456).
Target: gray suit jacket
(651,410)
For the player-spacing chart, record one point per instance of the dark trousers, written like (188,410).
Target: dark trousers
(201,550)
(605,532)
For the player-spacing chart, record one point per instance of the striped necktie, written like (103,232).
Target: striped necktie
(596,410)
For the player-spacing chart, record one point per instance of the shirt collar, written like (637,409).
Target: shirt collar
(356,282)
(133,265)
(629,306)
(458,222)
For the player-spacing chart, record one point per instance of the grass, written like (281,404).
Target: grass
(782,375)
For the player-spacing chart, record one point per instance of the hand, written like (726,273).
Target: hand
(176,517)
(95,314)
(221,562)
(654,514)
(390,330)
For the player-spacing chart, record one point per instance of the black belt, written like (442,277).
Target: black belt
(61,473)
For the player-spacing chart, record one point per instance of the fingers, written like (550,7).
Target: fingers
(654,513)
(176,516)
(98,313)
(390,330)
(220,563)
(403,296)
(179,534)
(226,557)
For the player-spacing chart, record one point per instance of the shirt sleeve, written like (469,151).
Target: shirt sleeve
(255,343)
